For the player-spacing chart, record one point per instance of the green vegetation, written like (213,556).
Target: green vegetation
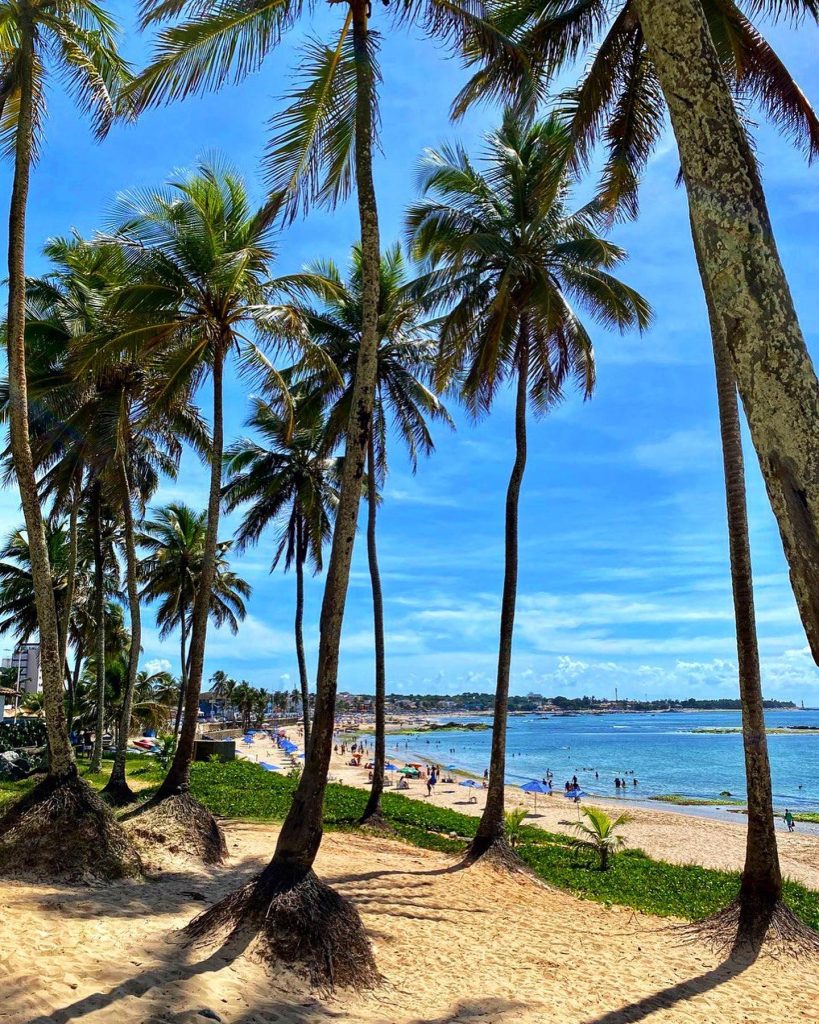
(25,732)
(696,801)
(513,825)
(598,834)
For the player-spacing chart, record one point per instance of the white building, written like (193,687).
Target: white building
(26,661)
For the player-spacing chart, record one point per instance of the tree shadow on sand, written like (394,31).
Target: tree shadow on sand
(736,963)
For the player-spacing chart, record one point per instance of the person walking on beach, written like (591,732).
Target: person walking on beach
(789,820)
(431,782)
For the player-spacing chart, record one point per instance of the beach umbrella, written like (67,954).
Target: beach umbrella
(389,767)
(575,794)
(470,783)
(534,787)
(269,767)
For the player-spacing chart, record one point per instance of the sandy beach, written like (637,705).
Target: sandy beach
(681,838)
(450,944)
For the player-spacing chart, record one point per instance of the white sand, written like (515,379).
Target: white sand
(463,947)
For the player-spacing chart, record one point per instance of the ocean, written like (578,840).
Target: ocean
(663,751)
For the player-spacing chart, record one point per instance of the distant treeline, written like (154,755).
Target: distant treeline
(479,702)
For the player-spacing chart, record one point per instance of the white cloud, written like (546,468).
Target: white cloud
(157,665)
(680,451)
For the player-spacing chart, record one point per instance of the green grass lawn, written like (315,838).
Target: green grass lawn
(245,791)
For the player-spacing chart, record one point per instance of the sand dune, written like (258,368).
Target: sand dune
(455,947)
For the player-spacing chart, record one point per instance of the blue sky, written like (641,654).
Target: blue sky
(624,579)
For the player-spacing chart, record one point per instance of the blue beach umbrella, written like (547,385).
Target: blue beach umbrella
(534,787)
(389,767)
(575,794)
(470,784)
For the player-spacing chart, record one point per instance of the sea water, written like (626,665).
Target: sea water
(663,751)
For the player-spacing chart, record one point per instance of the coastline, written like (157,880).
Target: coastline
(713,837)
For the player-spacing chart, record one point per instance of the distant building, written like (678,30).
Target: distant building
(26,662)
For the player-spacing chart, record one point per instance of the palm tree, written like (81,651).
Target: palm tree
(288,481)
(154,696)
(118,426)
(76,43)
(174,542)
(322,144)
(18,606)
(402,399)
(622,70)
(599,834)
(222,687)
(694,56)
(199,256)
(509,257)
(759,908)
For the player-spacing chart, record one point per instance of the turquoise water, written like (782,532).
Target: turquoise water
(662,750)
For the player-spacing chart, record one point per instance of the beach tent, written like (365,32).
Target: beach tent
(269,767)
(534,787)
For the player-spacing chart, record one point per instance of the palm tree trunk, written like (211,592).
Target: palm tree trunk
(373,808)
(741,268)
(490,831)
(178,778)
(332,943)
(73,539)
(305,690)
(301,833)
(61,755)
(183,669)
(761,885)
(99,615)
(761,877)
(117,786)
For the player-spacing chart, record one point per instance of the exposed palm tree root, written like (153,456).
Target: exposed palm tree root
(301,923)
(376,821)
(495,852)
(179,824)
(118,793)
(742,930)
(63,830)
